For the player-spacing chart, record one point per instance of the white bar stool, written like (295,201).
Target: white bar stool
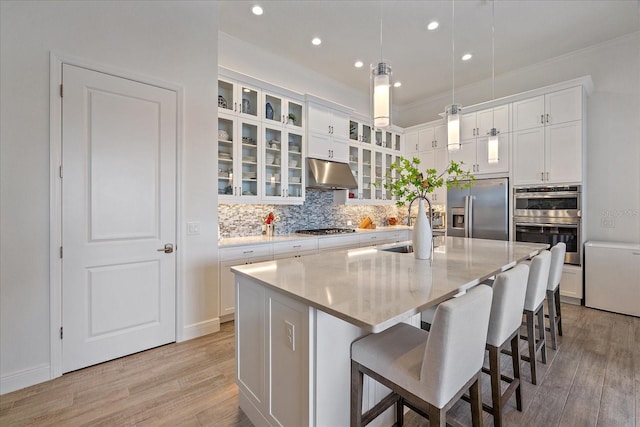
(426,371)
(509,290)
(553,292)
(534,308)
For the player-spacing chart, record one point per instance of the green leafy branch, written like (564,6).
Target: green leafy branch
(409,182)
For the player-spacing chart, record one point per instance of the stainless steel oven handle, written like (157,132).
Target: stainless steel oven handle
(538,224)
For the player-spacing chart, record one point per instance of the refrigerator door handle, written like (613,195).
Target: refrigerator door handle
(468,202)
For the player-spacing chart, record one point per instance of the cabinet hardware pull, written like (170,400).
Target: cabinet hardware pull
(547,118)
(477,168)
(541,176)
(297,246)
(542,118)
(547,176)
(247,252)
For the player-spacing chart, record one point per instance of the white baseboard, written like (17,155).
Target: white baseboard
(199,329)
(570,300)
(25,378)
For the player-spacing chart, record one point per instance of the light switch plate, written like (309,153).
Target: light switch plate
(193,228)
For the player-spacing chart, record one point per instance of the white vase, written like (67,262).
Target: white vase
(422,234)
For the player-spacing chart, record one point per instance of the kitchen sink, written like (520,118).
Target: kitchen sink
(402,249)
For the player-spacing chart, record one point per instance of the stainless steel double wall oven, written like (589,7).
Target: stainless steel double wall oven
(550,215)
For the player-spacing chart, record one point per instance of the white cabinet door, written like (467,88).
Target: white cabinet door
(467,126)
(487,119)
(563,152)
(528,156)
(563,106)
(466,154)
(340,126)
(412,144)
(340,151)
(482,152)
(571,281)
(319,146)
(440,136)
(227,286)
(319,119)
(528,113)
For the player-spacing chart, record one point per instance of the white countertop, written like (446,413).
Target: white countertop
(374,290)
(263,239)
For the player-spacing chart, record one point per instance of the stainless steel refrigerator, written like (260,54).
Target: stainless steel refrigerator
(481,211)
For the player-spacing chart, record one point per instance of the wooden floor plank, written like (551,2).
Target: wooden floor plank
(593,378)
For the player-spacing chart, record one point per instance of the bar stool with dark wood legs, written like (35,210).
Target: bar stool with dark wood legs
(426,371)
(534,309)
(509,290)
(553,292)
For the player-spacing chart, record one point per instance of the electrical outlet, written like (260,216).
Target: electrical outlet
(349,223)
(608,222)
(290,330)
(193,229)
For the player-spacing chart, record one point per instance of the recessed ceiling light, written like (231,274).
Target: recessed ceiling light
(358,64)
(316,41)
(466,56)
(257,10)
(433,25)
(397,84)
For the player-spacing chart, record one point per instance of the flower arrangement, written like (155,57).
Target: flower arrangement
(409,182)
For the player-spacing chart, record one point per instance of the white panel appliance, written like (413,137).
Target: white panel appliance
(612,277)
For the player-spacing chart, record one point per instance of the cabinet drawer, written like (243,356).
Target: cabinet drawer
(243,252)
(297,247)
(338,242)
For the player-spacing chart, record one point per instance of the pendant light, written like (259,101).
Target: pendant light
(381,89)
(493,142)
(453,111)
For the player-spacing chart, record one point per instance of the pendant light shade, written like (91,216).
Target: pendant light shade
(452,112)
(381,90)
(493,147)
(453,127)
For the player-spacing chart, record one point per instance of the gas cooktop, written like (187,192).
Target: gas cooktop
(325,231)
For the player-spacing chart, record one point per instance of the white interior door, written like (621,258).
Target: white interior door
(118,210)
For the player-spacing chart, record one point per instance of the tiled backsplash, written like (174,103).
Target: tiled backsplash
(318,211)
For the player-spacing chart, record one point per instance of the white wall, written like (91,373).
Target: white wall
(250,60)
(171,41)
(613,133)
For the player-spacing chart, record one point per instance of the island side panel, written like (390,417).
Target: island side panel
(272,355)
(250,328)
(332,374)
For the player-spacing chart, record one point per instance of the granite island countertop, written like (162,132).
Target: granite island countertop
(374,289)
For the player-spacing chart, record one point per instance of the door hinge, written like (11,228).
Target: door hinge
(61,90)
(60,251)
(60,332)
(60,171)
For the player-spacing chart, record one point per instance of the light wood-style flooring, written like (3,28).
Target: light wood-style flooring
(592,380)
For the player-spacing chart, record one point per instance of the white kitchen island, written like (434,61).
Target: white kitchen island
(296,319)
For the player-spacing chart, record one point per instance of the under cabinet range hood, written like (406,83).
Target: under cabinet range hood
(329,175)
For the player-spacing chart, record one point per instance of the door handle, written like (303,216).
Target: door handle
(168,248)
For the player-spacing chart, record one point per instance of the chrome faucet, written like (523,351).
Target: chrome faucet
(430,210)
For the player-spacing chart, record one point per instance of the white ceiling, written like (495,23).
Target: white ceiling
(526,32)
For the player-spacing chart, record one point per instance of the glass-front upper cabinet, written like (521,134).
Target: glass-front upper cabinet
(367,173)
(239,99)
(238,156)
(283,158)
(359,131)
(378,175)
(354,164)
(387,174)
(287,112)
